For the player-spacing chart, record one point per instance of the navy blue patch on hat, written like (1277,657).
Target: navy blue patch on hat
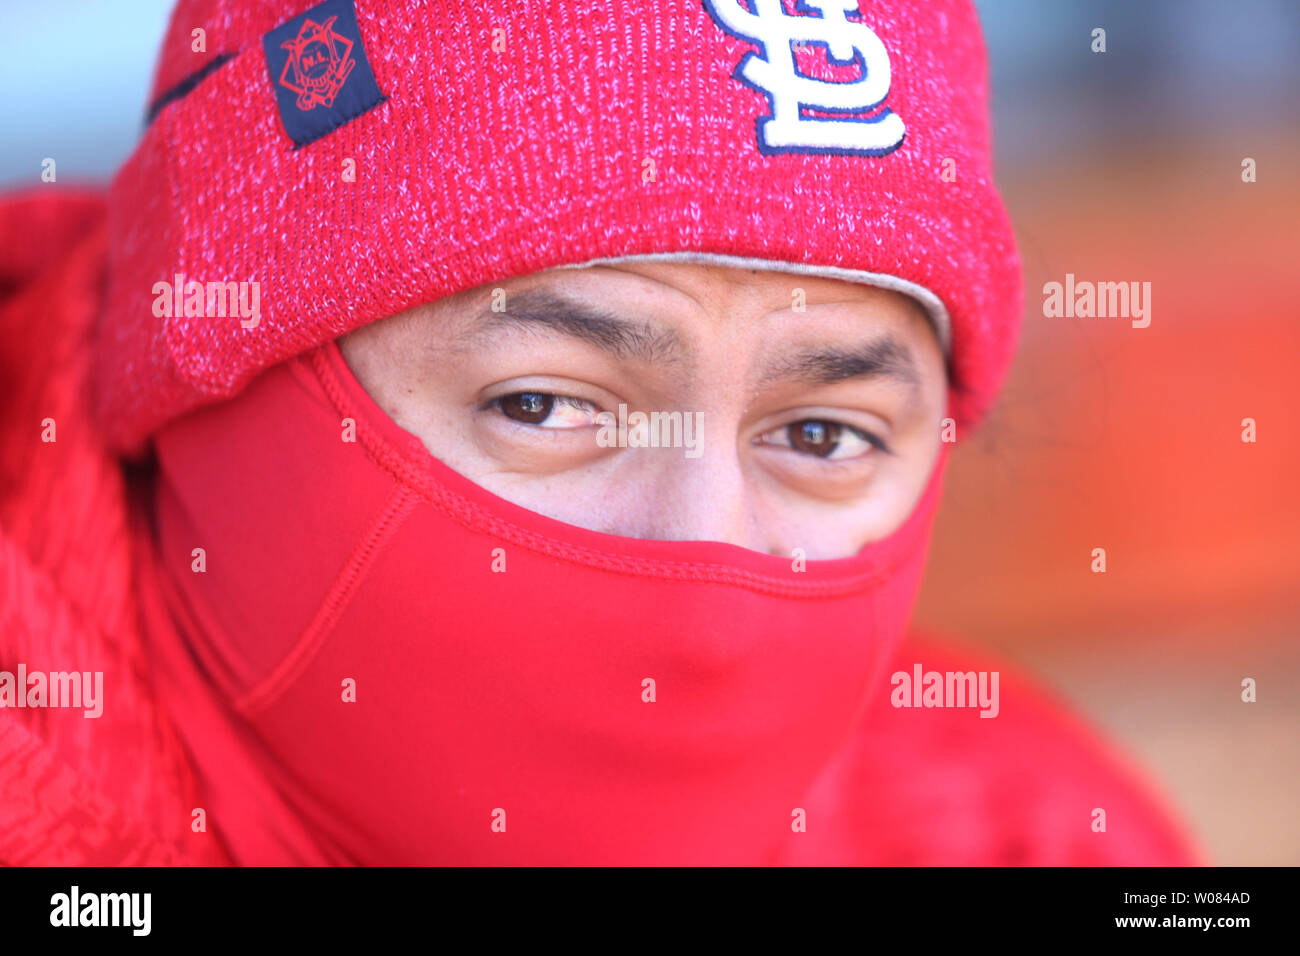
(319,71)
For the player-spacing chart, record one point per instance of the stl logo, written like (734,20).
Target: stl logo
(776,74)
(320,60)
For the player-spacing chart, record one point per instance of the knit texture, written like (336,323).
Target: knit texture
(515,137)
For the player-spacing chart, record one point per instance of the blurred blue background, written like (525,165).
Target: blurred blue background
(77,72)
(76,75)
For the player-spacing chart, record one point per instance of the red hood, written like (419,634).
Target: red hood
(117,789)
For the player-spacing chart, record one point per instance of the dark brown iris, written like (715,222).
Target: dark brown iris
(531,408)
(814,437)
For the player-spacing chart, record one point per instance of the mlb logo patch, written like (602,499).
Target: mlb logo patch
(319,71)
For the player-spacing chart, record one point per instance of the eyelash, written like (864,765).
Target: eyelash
(873,440)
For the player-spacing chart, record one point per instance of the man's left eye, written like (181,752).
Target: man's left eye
(822,439)
(547,410)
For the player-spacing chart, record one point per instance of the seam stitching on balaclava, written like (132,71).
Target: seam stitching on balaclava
(400,503)
(402,468)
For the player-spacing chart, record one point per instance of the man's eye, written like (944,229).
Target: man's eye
(547,410)
(823,439)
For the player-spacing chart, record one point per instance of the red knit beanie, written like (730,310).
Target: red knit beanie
(340,162)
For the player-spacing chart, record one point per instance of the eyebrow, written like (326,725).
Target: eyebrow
(881,358)
(884,357)
(623,338)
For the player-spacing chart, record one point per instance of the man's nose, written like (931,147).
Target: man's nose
(706,499)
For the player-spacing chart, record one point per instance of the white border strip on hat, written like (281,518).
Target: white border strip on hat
(933,305)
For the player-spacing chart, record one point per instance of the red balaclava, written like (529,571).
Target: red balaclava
(373,660)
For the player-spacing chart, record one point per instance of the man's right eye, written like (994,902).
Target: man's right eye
(547,410)
(532,408)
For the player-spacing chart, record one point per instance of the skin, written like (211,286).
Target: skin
(819,430)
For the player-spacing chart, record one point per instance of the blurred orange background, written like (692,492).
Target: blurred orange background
(1130,439)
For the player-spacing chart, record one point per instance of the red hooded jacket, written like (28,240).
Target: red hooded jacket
(80,583)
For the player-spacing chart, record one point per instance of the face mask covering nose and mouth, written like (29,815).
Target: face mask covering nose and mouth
(420,672)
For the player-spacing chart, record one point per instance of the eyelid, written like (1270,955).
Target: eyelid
(572,400)
(870,426)
(548,384)
(870,437)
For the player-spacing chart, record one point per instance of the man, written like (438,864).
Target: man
(511,435)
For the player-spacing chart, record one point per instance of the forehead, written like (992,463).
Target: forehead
(674,315)
(680,290)
(686,319)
